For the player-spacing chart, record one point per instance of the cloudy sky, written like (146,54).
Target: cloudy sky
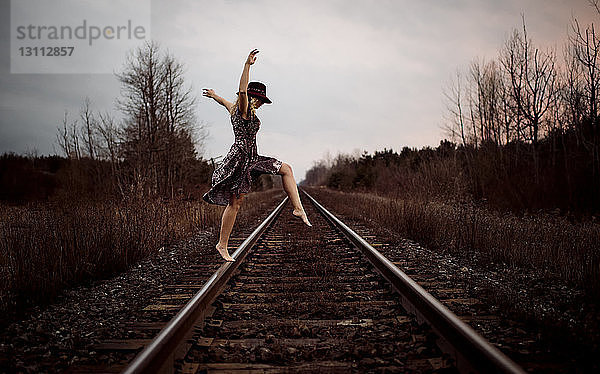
(344,76)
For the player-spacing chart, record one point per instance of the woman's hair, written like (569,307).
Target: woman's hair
(252,101)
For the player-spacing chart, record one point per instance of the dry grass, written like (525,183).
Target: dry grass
(549,243)
(47,247)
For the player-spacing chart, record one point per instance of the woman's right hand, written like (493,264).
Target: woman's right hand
(209,92)
(252,57)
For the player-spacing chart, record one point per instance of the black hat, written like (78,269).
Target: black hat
(258,90)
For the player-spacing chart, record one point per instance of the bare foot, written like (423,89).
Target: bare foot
(301,214)
(224,253)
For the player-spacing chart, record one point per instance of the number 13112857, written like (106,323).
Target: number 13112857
(46,51)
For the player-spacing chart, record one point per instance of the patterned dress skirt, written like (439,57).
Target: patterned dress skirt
(242,163)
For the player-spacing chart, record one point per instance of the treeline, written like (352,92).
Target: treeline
(500,175)
(524,128)
(28,178)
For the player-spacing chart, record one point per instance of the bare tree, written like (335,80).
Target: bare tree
(572,91)
(62,136)
(108,147)
(532,77)
(88,127)
(74,139)
(489,87)
(108,137)
(141,104)
(584,88)
(585,50)
(180,121)
(158,139)
(595,4)
(454,104)
(472,117)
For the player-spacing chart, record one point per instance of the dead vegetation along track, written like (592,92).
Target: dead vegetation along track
(293,306)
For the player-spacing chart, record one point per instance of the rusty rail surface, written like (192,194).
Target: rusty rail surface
(470,350)
(169,344)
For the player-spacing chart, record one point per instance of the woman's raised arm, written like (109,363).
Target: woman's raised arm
(243,91)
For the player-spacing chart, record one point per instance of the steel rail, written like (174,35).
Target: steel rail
(471,352)
(160,354)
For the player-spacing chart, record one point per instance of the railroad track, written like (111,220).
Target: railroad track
(302,299)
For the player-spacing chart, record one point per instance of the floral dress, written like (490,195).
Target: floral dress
(234,174)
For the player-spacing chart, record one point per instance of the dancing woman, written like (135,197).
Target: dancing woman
(232,179)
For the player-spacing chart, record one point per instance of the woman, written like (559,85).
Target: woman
(233,178)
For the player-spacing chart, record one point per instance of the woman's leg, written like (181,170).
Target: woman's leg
(290,187)
(227,221)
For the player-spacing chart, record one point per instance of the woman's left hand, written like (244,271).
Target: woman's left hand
(251,57)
